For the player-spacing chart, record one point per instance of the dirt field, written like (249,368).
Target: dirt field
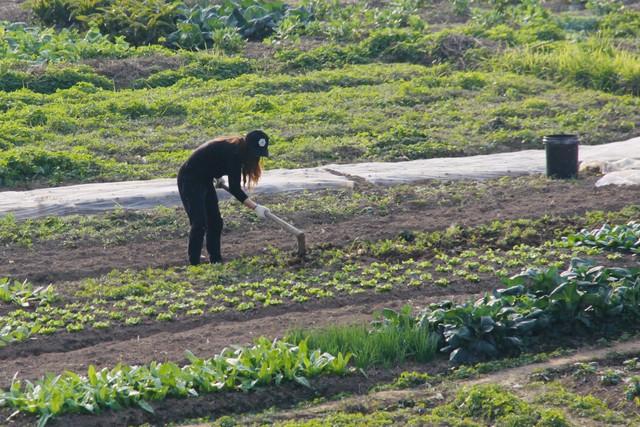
(52,261)
(353,81)
(48,262)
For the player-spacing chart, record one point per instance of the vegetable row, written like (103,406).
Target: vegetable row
(411,261)
(584,300)
(539,303)
(237,368)
(625,238)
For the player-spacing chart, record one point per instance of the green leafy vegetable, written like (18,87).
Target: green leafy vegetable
(237,368)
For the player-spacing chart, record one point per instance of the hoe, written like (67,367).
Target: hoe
(302,247)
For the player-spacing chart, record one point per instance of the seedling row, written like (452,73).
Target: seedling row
(413,262)
(538,304)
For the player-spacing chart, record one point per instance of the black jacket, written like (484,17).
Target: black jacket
(215,159)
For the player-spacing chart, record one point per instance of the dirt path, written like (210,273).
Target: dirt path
(14,11)
(513,375)
(506,377)
(97,197)
(51,261)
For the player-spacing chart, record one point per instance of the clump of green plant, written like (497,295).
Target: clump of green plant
(10,334)
(583,298)
(202,66)
(26,43)
(633,389)
(24,295)
(497,406)
(31,164)
(412,379)
(390,340)
(584,370)
(611,377)
(50,79)
(623,24)
(604,7)
(625,238)
(631,364)
(594,64)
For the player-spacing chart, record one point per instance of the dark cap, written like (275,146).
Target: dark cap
(258,143)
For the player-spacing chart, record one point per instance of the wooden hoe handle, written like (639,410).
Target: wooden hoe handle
(302,248)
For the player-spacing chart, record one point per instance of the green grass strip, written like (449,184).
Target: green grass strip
(387,344)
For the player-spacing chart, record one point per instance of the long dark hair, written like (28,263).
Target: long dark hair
(251,164)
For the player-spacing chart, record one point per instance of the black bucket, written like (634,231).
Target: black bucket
(562,155)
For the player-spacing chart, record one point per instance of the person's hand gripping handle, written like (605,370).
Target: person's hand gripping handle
(261,211)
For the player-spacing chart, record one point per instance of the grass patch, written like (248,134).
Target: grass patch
(475,406)
(358,113)
(587,406)
(595,64)
(357,82)
(385,346)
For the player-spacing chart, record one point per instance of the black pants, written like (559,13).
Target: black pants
(201,203)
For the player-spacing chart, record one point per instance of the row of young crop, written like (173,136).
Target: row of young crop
(179,25)
(172,22)
(131,298)
(466,45)
(184,25)
(410,262)
(240,368)
(539,304)
(221,27)
(402,42)
(116,227)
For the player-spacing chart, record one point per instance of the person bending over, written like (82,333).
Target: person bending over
(236,157)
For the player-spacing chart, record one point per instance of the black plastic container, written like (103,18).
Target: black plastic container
(562,155)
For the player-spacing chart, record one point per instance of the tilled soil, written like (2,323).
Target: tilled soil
(168,341)
(50,261)
(205,336)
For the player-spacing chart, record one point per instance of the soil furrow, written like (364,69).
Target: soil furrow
(203,339)
(287,396)
(50,261)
